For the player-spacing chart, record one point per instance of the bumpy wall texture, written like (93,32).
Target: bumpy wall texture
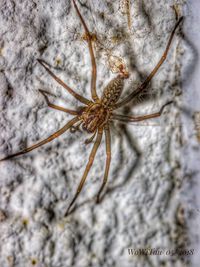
(143,206)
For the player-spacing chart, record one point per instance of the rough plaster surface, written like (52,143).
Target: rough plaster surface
(191,148)
(143,206)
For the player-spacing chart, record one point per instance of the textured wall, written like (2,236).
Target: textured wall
(143,206)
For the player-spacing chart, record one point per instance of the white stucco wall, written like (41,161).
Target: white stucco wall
(191,149)
(148,184)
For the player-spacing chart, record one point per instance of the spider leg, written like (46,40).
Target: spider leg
(108,159)
(58,80)
(93,62)
(90,139)
(44,93)
(87,169)
(140,118)
(75,128)
(154,71)
(45,141)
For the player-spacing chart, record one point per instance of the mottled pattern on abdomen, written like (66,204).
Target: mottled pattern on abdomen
(112,92)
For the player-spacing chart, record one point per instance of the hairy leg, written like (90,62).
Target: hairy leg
(108,159)
(124,118)
(49,139)
(93,62)
(87,169)
(69,111)
(72,92)
(154,71)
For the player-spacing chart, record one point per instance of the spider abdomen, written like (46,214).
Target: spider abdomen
(112,91)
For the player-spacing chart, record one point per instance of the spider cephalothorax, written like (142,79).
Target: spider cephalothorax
(93,117)
(96,114)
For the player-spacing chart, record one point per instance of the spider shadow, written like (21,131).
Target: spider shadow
(145,96)
(189,70)
(132,143)
(110,190)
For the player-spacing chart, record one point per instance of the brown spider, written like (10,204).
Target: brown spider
(96,114)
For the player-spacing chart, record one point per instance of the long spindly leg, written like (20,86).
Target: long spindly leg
(87,169)
(148,79)
(108,159)
(93,62)
(140,118)
(58,80)
(45,141)
(69,111)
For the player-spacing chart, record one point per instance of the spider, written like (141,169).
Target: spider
(96,114)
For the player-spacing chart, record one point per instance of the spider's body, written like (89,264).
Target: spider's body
(93,117)
(112,91)
(96,114)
